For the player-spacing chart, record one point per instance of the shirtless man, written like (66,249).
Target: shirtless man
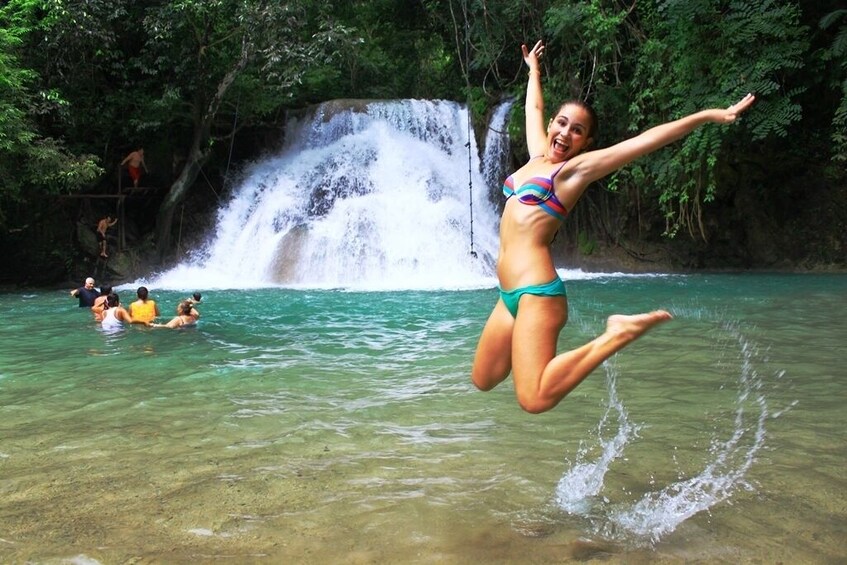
(134,161)
(102,226)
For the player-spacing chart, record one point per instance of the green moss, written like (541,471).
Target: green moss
(587,245)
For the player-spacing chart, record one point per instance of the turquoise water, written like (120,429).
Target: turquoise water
(340,427)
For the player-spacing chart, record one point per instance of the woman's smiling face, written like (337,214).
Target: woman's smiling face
(569,132)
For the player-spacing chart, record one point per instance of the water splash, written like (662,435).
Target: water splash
(371,196)
(659,513)
(584,480)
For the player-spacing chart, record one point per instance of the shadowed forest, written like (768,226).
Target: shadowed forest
(205,86)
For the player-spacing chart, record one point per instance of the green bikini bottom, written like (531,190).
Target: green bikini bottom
(556,287)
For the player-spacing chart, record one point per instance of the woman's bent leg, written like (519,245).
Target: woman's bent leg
(493,359)
(541,388)
(539,322)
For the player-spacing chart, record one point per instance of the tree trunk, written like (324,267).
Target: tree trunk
(197,156)
(179,189)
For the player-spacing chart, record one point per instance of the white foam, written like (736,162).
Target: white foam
(584,480)
(376,200)
(658,513)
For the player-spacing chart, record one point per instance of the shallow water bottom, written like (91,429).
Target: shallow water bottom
(331,508)
(197,487)
(329,432)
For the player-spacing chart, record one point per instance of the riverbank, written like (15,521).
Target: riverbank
(665,258)
(607,260)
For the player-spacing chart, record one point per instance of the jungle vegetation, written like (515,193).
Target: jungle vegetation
(202,84)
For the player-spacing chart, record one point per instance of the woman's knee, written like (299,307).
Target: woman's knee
(482,384)
(535,404)
(533,399)
(486,381)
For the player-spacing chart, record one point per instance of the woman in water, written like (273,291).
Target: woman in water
(114,314)
(184,317)
(521,333)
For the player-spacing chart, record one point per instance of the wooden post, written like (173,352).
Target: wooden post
(121,214)
(121,223)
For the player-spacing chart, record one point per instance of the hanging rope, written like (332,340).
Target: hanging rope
(179,237)
(470,124)
(232,140)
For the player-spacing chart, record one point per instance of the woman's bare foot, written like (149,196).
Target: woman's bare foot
(633,327)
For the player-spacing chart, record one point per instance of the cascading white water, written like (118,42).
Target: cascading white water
(495,158)
(371,196)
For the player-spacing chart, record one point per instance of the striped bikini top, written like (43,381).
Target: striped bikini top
(537,191)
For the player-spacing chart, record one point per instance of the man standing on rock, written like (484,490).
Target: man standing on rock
(134,161)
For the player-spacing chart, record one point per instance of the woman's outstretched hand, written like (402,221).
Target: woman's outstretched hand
(531,57)
(731,114)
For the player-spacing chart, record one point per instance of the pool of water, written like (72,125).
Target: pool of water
(317,426)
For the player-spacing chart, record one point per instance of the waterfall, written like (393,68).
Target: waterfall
(495,159)
(363,195)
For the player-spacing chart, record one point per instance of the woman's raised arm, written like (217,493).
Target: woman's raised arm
(593,165)
(536,133)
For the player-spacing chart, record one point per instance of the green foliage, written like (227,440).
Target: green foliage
(391,50)
(14,97)
(16,132)
(838,53)
(77,46)
(702,54)
(586,244)
(82,80)
(48,163)
(592,41)
(31,163)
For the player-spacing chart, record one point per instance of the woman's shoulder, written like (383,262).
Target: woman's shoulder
(535,164)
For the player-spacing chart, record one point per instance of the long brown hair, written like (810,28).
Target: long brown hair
(595,125)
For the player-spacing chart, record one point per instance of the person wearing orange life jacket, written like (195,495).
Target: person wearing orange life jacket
(144,310)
